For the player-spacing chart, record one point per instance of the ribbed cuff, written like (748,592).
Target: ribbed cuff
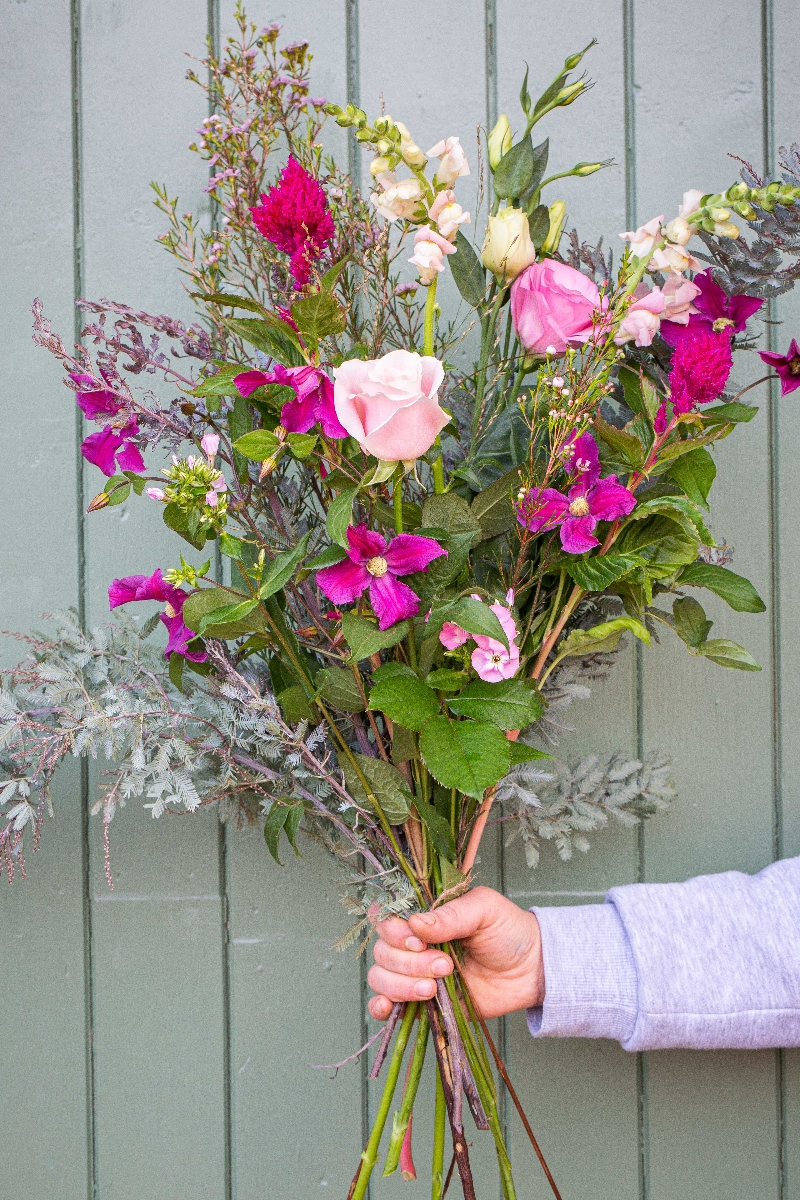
(589,972)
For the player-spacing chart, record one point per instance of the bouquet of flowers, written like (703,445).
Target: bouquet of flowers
(409,568)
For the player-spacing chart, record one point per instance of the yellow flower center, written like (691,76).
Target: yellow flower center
(579,507)
(722,323)
(378,567)
(794,366)
(169,610)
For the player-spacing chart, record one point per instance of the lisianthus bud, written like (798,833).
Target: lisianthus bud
(678,231)
(380,166)
(101,500)
(499,141)
(558,215)
(584,169)
(507,246)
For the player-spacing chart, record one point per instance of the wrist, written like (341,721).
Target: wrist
(536,980)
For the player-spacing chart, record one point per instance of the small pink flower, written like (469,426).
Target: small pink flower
(642,320)
(374,564)
(644,238)
(210,445)
(679,295)
(155,587)
(493,662)
(389,404)
(452,636)
(552,306)
(452,160)
(448,214)
(219,485)
(430,250)
(155,493)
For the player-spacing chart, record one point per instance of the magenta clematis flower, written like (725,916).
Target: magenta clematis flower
(787,365)
(155,587)
(715,311)
(373,564)
(93,401)
(111,448)
(589,500)
(314,402)
(294,216)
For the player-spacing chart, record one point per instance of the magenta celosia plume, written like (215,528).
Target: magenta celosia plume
(155,587)
(715,311)
(700,368)
(294,216)
(787,365)
(589,500)
(314,397)
(374,564)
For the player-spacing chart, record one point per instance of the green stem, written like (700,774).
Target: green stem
(403,1116)
(428,348)
(487,339)
(439,1126)
(397,500)
(370,1154)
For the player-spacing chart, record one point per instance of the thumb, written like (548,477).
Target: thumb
(458,918)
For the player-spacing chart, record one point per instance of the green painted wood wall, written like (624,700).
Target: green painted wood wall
(157,1038)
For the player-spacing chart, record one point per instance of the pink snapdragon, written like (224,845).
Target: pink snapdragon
(644,238)
(314,397)
(679,295)
(448,214)
(294,216)
(642,320)
(430,251)
(374,564)
(154,587)
(452,160)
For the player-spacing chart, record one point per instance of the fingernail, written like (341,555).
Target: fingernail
(425,989)
(413,943)
(441,967)
(428,918)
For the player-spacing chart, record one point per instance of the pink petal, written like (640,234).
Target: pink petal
(408,433)
(365,544)
(100,448)
(391,600)
(542,508)
(576,534)
(210,444)
(179,637)
(584,458)
(248,381)
(343,582)
(408,553)
(130,459)
(609,500)
(452,636)
(297,416)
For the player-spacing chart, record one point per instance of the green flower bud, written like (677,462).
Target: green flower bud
(587,168)
(499,141)
(558,215)
(570,93)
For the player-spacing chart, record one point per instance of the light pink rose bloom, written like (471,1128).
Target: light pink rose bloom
(675,259)
(452,160)
(691,202)
(430,249)
(643,319)
(679,294)
(644,238)
(552,306)
(448,214)
(389,404)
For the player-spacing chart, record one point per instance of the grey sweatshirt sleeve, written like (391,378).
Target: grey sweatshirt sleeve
(713,963)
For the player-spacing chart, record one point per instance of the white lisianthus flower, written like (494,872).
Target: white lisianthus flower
(507,247)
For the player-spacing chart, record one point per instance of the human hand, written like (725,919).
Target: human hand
(502,962)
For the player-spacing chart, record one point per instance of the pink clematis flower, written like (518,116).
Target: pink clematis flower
(314,397)
(373,564)
(111,448)
(155,587)
(93,401)
(294,216)
(589,500)
(787,365)
(714,310)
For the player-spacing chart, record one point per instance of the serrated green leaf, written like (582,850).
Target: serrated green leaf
(326,558)
(258,445)
(386,784)
(509,704)
(301,444)
(338,687)
(292,825)
(406,699)
(476,617)
(296,705)
(727,654)
(625,445)
(695,472)
(451,513)
(230,546)
(521,752)
(676,508)
(339,515)
(271,335)
(721,414)
(734,589)
(468,272)
(282,567)
(272,828)
(493,508)
(318,316)
(390,669)
(439,829)
(404,744)
(597,573)
(222,383)
(467,755)
(365,639)
(446,680)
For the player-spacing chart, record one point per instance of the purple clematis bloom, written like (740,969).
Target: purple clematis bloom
(787,365)
(589,500)
(111,448)
(373,564)
(314,397)
(155,587)
(715,311)
(93,401)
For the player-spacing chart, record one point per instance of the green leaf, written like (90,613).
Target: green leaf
(271,335)
(598,573)
(476,617)
(118,489)
(258,445)
(319,316)
(625,445)
(233,301)
(273,826)
(331,276)
(296,705)
(404,744)
(601,638)
(521,752)
(405,699)
(695,472)
(468,272)
(339,514)
(451,513)
(230,546)
(208,600)
(327,558)
(722,414)
(691,623)
(446,680)
(282,567)
(338,687)
(679,509)
(301,444)
(391,669)
(539,225)
(386,784)
(438,828)
(727,654)
(364,638)
(176,665)
(227,614)
(138,482)
(493,508)
(220,384)
(509,704)
(662,542)
(514,173)
(292,826)
(467,755)
(734,589)
(240,423)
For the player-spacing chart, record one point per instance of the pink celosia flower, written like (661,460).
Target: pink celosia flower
(430,250)
(93,401)
(109,448)
(713,310)
(589,500)
(314,397)
(373,564)
(294,216)
(389,404)
(700,368)
(552,306)
(641,321)
(787,365)
(644,238)
(155,587)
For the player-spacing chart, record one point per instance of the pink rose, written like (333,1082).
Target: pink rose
(643,319)
(552,305)
(389,404)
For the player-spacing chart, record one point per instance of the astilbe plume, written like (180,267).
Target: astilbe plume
(294,216)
